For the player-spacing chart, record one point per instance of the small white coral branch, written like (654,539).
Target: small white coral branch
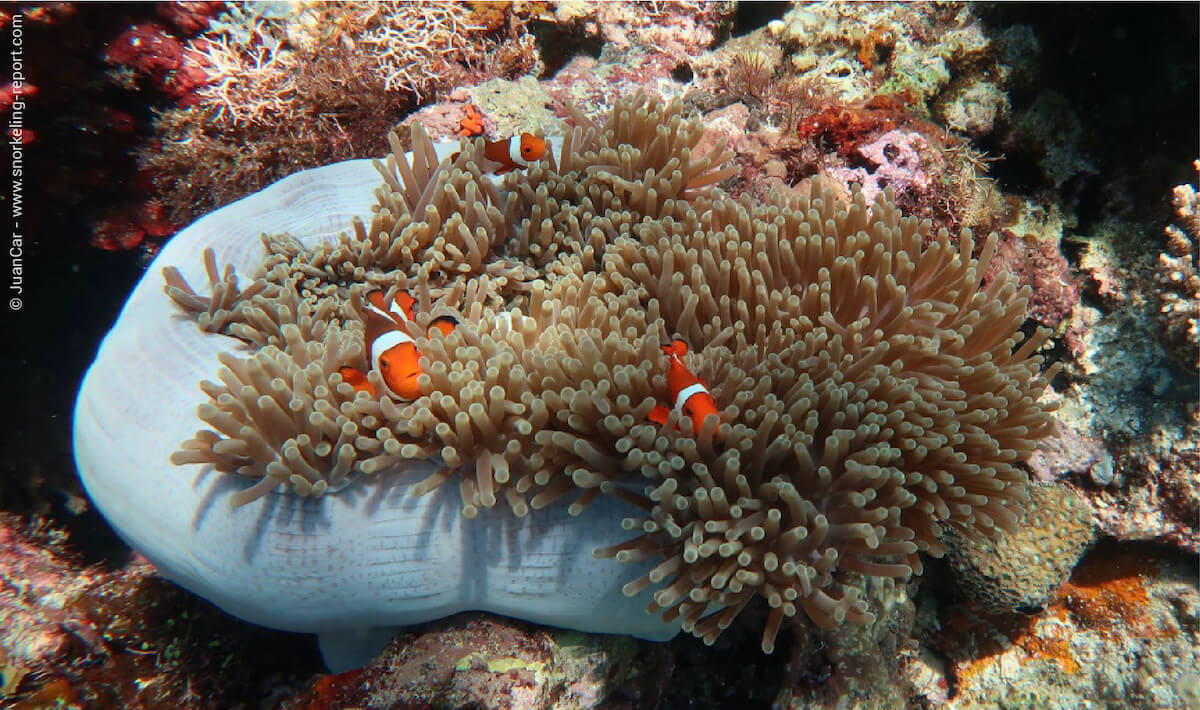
(411,34)
(1179,275)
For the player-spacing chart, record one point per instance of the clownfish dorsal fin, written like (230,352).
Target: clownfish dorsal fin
(375,298)
(404,302)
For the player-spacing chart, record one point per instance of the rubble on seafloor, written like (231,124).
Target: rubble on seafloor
(87,636)
(918,97)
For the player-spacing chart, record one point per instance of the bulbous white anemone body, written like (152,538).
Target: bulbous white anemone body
(350,565)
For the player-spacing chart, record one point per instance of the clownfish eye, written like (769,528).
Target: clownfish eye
(526,150)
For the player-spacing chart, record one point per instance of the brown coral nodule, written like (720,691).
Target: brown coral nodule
(872,393)
(1021,569)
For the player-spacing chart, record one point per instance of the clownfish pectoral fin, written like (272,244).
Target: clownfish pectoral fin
(444,324)
(357,379)
(658,415)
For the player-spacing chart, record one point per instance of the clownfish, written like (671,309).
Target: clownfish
(393,352)
(691,394)
(512,153)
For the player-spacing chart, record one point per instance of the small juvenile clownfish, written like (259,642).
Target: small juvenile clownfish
(393,352)
(513,153)
(691,394)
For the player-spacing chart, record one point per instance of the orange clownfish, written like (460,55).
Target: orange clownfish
(393,352)
(691,394)
(513,153)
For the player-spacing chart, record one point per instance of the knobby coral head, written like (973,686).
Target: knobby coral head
(869,389)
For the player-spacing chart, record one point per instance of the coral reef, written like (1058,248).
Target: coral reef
(219,99)
(1155,493)
(850,94)
(1022,569)
(1128,417)
(1179,274)
(675,29)
(972,106)
(888,48)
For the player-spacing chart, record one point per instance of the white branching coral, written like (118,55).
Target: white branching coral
(870,390)
(262,55)
(1179,274)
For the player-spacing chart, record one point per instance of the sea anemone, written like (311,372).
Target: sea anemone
(870,390)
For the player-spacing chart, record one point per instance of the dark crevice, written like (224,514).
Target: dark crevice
(750,16)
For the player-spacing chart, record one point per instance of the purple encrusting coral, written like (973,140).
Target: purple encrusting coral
(958,114)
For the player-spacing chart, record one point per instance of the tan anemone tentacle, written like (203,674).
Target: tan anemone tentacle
(871,390)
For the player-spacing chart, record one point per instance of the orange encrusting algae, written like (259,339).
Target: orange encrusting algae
(1106,595)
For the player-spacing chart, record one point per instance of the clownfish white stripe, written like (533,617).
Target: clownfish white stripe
(376,310)
(686,393)
(514,151)
(387,341)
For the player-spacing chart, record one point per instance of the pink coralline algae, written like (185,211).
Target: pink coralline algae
(1039,264)
(900,159)
(1067,451)
(593,85)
